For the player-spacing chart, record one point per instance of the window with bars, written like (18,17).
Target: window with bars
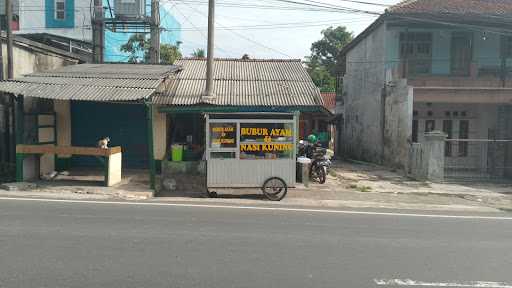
(447,129)
(416,51)
(60,9)
(463,134)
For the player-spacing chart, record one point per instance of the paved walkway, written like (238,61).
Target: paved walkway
(348,185)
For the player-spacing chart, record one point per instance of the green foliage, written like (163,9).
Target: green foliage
(199,53)
(138,48)
(137,45)
(169,53)
(321,77)
(324,63)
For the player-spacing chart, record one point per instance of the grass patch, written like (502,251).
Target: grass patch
(364,188)
(360,188)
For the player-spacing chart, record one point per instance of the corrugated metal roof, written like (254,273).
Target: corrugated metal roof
(124,71)
(111,82)
(75,92)
(92,82)
(243,83)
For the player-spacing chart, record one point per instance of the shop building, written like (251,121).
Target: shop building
(146,109)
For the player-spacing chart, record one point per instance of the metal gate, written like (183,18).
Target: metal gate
(478,159)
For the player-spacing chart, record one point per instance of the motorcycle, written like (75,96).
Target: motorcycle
(321,160)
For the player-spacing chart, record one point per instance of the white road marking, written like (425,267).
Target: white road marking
(470,284)
(349,212)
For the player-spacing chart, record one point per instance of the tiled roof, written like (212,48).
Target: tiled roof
(92,82)
(464,8)
(481,13)
(243,83)
(329,100)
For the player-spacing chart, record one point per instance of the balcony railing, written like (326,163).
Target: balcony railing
(488,72)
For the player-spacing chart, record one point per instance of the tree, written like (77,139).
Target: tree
(169,53)
(323,64)
(199,53)
(138,47)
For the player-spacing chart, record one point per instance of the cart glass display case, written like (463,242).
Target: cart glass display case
(246,151)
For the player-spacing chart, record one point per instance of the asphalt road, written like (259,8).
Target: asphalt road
(48,244)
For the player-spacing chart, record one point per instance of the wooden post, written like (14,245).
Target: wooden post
(20,124)
(152,167)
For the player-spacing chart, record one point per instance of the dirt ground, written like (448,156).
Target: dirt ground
(364,178)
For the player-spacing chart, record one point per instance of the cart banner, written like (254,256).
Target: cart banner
(265,147)
(266,140)
(266,132)
(223,135)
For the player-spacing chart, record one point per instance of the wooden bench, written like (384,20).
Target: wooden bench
(112,156)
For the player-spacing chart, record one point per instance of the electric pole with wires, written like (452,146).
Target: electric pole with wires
(211,46)
(154,49)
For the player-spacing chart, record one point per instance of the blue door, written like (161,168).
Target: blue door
(125,124)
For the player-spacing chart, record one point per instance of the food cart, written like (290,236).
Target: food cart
(255,150)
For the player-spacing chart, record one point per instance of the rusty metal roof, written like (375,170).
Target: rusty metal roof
(242,83)
(92,82)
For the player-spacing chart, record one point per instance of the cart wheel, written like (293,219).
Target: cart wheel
(274,189)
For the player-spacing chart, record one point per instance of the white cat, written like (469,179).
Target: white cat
(103,143)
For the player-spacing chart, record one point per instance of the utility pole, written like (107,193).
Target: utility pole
(154,49)
(8,16)
(1,60)
(16,108)
(98,32)
(210,56)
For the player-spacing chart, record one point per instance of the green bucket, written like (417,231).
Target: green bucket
(177,152)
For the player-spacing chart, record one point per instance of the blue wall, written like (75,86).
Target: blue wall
(69,19)
(113,41)
(486,52)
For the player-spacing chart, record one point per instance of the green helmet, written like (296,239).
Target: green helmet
(312,138)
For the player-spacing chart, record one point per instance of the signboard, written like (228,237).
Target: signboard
(223,135)
(266,140)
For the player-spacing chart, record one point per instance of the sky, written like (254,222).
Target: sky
(242,28)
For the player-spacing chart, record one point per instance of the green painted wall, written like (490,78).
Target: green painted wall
(486,48)
(125,124)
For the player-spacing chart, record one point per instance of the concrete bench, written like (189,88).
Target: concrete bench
(112,156)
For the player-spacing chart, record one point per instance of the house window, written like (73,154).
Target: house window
(463,134)
(461,53)
(507,46)
(416,52)
(430,125)
(447,129)
(415,131)
(60,9)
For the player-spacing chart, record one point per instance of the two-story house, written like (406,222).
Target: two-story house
(429,65)
(71,19)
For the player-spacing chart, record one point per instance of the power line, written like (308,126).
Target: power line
(265,7)
(292,25)
(328,6)
(200,32)
(246,38)
(366,3)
